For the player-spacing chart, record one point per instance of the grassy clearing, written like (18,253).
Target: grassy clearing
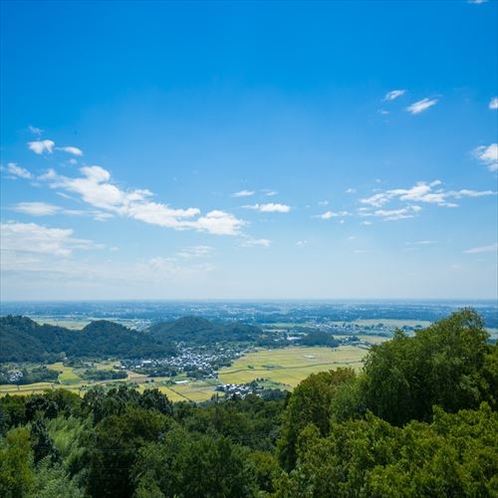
(290,366)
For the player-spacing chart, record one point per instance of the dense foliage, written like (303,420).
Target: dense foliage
(420,420)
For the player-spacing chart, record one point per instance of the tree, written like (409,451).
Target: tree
(310,403)
(16,463)
(115,446)
(445,364)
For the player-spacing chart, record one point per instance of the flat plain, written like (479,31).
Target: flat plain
(284,367)
(289,366)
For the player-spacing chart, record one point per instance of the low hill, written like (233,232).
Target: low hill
(22,339)
(195,330)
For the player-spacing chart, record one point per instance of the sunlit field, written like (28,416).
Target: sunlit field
(290,366)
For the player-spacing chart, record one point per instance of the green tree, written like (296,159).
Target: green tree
(447,364)
(16,463)
(310,403)
(116,443)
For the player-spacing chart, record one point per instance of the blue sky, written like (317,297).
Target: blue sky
(249,150)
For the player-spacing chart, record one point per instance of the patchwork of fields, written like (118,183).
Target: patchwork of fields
(285,367)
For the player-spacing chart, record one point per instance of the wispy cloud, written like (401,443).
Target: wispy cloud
(394,94)
(425,193)
(16,171)
(488,155)
(477,250)
(243,193)
(96,189)
(270,208)
(36,208)
(268,192)
(71,150)
(493,103)
(301,243)
(477,2)
(34,130)
(41,146)
(34,238)
(421,105)
(350,190)
(250,242)
(195,252)
(397,214)
(333,214)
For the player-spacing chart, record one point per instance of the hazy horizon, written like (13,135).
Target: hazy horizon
(249,151)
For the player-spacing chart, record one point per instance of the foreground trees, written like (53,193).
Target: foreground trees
(420,420)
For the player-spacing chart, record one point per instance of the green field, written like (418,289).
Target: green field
(289,366)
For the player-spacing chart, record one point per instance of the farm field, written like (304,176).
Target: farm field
(286,367)
(289,366)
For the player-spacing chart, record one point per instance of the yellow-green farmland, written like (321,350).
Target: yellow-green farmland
(289,366)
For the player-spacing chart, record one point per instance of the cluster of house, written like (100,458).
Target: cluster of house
(202,361)
(10,376)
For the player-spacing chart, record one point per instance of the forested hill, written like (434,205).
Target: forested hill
(23,339)
(195,330)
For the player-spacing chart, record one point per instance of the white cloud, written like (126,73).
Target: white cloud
(331,214)
(477,2)
(195,252)
(243,193)
(40,146)
(71,150)
(34,130)
(478,250)
(493,103)
(18,172)
(421,105)
(394,94)
(250,242)
(350,190)
(269,193)
(96,189)
(34,238)
(323,203)
(36,208)
(425,242)
(397,214)
(270,208)
(423,192)
(218,223)
(488,155)
(302,243)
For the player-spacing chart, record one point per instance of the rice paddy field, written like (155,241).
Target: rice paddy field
(284,367)
(289,366)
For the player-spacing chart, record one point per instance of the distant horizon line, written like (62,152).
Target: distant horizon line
(250,300)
